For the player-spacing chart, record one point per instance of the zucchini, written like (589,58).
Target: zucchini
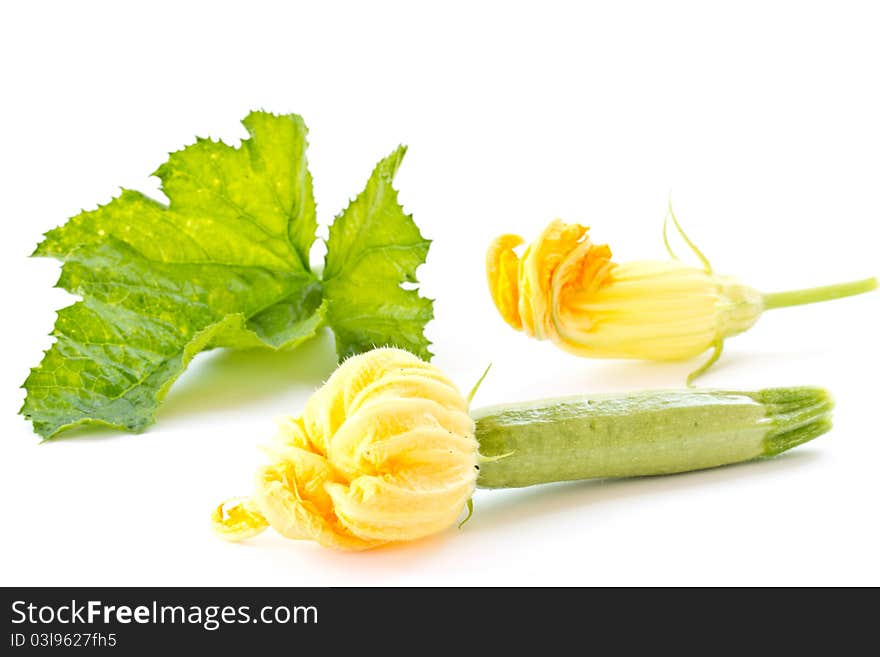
(640,434)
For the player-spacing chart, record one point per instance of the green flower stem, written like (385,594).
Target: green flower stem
(817,294)
(640,434)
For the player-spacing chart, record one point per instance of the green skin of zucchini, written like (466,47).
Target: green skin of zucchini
(642,434)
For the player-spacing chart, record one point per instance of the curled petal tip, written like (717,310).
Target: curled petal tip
(237,520)
(502,273)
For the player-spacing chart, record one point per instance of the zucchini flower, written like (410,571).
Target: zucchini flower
(566,289)
(387,451)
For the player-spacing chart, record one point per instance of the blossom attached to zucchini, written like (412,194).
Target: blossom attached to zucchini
(566,289)
(386,451)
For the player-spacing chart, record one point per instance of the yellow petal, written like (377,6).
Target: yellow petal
(295,502)
(237,520)
(502,272)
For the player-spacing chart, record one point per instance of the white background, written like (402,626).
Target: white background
(761,119)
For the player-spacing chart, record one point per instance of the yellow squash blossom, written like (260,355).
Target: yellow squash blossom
(385,451)
(566,289)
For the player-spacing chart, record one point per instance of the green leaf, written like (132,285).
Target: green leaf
(373,248)
(226,263)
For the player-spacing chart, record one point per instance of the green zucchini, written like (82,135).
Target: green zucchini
(640,434)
